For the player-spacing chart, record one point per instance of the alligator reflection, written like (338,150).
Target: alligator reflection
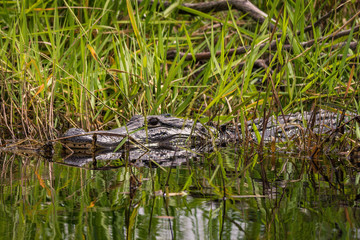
(139,157)
(227,193)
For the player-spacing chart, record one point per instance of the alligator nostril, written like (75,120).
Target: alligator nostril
(153,121)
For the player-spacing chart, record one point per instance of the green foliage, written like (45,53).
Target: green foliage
(95,64)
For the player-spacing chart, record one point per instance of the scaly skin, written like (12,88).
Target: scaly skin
(162,130)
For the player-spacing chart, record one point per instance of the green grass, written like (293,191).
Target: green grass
(66,64)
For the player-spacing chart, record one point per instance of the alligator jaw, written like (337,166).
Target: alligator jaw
(76,138)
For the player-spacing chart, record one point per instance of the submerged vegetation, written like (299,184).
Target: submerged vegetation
(96,64)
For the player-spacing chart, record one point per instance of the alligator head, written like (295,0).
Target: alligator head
(153,130)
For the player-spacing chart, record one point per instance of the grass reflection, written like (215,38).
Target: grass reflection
(221,195)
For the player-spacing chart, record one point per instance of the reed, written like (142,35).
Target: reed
(65,64)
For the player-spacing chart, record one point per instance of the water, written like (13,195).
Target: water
(225,194)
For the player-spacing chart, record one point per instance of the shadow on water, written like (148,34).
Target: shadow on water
(224,194)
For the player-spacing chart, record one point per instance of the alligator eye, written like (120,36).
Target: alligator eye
(223,128)
(153,121)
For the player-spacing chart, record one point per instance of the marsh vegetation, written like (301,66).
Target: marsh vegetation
(95,64)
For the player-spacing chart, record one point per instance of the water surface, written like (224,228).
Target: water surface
(225,194)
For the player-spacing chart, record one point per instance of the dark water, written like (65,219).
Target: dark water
(225,194)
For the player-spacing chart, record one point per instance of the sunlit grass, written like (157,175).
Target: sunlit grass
(95,66)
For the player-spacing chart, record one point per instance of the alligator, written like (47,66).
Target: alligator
(167,131)
(169,141)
